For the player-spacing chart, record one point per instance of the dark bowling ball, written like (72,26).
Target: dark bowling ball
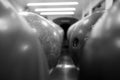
(21,55)
(65,70)
(79,34)
(48,36)
(69,33)
(101,60)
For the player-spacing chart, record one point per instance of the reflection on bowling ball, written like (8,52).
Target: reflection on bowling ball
(48,35)
(101,59)
(71,29)
(21,54)
(79,34)
(65,69)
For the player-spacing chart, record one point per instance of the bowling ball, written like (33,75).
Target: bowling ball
(21,54)
(48,36)
(65,69)
(65,59)
(101,58)
(80,34)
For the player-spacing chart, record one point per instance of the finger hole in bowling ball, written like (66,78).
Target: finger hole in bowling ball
(75,42)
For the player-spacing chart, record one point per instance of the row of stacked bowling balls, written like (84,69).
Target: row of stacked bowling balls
(29,44)
(95,44)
